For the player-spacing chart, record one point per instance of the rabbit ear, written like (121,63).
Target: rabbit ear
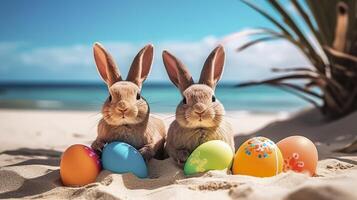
(213,67)
(141,65)
(177,71)
(105,64)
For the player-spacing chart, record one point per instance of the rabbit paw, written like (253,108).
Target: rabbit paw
(182,156)
(146,152)
(97,146)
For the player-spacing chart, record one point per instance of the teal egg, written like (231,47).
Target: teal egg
(120,157)
(212,155)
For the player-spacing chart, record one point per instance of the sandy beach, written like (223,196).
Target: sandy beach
(272,69)
(32,143)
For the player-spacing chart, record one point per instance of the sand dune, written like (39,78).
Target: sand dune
(30,155)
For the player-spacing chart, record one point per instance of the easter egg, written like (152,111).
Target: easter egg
(79,166)
(211,155)
(299,153)
(120,157)
(259,157)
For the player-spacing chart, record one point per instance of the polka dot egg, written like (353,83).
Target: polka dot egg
(259,157)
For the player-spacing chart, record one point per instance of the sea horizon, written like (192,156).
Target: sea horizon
(162,97)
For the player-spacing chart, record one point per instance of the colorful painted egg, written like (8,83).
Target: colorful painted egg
(79,166)
(120,157)
(259,157)
(299,153)
(211,155)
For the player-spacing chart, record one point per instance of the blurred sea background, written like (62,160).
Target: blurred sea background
(162,97)
(53,68)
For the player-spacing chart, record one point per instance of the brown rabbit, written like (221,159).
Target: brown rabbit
(126,114)
(199,116)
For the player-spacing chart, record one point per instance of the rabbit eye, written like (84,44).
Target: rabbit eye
(110,98)
(184,101)
(213,98)
(138,96)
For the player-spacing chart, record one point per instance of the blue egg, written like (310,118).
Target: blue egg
(119,157)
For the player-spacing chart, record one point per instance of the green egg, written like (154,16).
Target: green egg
(212,155)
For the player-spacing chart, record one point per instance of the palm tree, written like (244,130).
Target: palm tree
(333,24)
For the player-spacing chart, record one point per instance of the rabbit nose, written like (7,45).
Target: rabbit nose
(199,108)
(199,113)
(121,110)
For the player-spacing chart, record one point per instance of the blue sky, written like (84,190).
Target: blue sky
(45,40)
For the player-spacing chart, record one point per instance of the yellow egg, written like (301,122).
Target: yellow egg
(259,157)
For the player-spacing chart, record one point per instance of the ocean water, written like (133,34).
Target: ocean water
(161,97)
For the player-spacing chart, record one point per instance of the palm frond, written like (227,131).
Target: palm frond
(295,69)
(333,58)
(320,37)
(315,59)
(269,17)
(263,39)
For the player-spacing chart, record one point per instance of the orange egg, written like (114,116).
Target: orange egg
(300,154)
(259,157)
(79,166)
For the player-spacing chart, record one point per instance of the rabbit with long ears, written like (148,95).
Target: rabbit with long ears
(199,116)
(126,114)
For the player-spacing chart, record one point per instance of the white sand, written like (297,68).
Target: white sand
(32,142)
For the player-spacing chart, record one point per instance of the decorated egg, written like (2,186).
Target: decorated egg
(299,153)
(120,157)
(211,155)
(79,166)
(259,157)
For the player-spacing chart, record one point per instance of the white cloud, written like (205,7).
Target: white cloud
(252,63)
(8,47)
(8,54)
(57,57)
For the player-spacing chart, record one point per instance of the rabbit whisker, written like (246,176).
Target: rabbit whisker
(95,114)
(212,106)
(223,115)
